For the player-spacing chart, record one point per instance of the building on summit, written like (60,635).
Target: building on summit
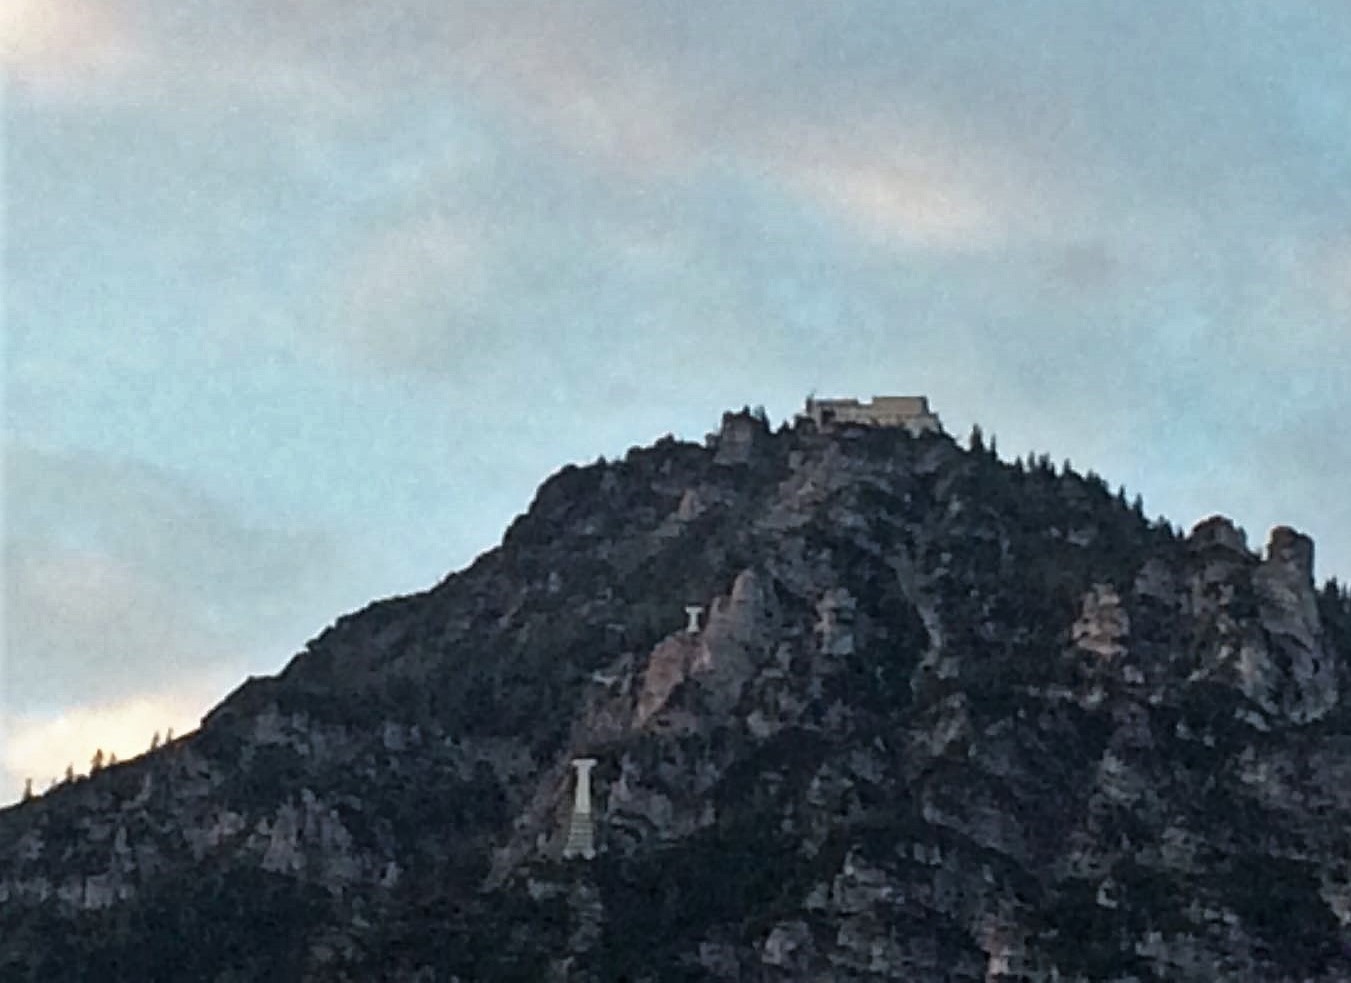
(910,412)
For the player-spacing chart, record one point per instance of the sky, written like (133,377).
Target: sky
(303,300)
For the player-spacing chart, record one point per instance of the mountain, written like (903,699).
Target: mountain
(943,718)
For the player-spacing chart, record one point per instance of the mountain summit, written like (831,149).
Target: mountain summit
(838,702)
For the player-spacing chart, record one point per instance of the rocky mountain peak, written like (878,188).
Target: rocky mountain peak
(938,717)
(1219,533)
(1292,549)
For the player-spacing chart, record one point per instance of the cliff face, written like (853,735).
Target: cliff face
(945,719)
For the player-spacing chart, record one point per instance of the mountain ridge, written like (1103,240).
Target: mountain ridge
(947,718)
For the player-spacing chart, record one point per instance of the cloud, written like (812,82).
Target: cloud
(41,746)
(598,98)
(82,622)
(612,89)
(408,293)
(64,49)
(915,209)
(116,572)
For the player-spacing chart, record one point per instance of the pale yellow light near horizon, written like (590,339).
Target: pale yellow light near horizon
(41,747)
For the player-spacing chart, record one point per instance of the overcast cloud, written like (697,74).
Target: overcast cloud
(304,299)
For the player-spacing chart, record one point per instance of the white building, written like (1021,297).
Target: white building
(911,412)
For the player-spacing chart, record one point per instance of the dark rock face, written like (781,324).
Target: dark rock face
(945,719)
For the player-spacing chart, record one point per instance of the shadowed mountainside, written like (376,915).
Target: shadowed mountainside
(947,719)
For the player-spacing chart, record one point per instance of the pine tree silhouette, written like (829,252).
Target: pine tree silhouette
(976,442)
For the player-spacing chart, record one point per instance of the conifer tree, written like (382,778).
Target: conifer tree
(976,442)
(27,789)
(154,742)
(97,763)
